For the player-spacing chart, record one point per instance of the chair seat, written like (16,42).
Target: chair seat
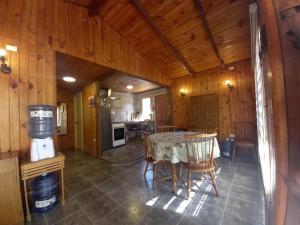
(245,144)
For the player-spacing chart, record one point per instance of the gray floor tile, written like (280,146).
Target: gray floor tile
(79,187)
(120,195)
(232,219)
(77,218)
(120,216)
(203,215)
(160,216)
(37,219)
(100,208)
(59,212)
(242,207)
(89,196)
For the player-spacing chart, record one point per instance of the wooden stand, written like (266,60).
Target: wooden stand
(34,169)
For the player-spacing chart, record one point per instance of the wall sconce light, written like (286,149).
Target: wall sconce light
(4,67)
(229,84)
(183,92)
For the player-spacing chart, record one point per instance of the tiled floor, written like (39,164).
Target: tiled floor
(125,155)
(101,194)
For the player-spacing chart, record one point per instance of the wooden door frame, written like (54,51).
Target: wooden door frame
(278,207)
(75,117)
(169,106)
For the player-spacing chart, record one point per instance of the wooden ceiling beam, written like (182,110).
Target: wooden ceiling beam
(163,38)
(94,7)
(208,31)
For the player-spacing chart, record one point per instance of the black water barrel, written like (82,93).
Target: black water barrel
(227,148)
(41,121)
(44,193)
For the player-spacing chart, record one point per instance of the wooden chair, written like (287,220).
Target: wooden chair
(245,135)
(150,160)
(200,152)
(204,130)
(165,128)
(207,130)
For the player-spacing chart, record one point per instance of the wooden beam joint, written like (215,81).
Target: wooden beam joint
(163,38)
(208,31)
(94,7)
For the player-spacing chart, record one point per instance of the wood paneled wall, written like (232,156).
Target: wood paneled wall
(66,141)
(39,28)
(234,105)
(276,201)
(90,120)
(291,68)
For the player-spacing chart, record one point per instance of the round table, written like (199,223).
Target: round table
(171,146)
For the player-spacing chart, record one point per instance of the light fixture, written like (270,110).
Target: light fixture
(11,48)
(129,87)
(183,92)
(112,97)
(4,67)
(229,84)
(69,79)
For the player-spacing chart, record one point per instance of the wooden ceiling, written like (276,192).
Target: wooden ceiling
(181,25)
(84,71)
(118,81)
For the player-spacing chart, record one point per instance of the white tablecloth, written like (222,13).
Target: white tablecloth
(171,146)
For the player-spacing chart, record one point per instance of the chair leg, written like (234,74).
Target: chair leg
(146,169)
(189,183)
(233,153)
(180,171)
(213,182)
(154,171)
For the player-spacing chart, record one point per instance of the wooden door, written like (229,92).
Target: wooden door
(204,111)
(162,110)
(78,122)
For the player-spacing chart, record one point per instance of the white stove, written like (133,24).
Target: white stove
(118,134)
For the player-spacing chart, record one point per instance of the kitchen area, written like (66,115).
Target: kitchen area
(127,109)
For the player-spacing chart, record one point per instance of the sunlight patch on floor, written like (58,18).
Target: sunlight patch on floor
(152,201)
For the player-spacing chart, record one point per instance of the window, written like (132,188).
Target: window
(146,108)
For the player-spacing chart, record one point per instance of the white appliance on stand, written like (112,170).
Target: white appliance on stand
(41,149)
(118,134)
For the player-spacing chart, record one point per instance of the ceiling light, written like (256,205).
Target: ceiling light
(69,79)
(129,87)
(2,52)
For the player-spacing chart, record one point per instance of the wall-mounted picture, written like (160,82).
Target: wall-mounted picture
(92,101)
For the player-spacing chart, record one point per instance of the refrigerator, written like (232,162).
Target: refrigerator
(105,120)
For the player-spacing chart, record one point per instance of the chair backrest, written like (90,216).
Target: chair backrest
(207,130)
(165,128)
(200,149)
(147,150)
(245,130)
(203,130)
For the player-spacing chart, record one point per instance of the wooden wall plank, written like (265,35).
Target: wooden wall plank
(39,28)
(14,114)
(24,97)
(237,105)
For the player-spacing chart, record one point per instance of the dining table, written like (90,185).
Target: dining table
(171,146)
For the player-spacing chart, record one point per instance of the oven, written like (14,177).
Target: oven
(118,134)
